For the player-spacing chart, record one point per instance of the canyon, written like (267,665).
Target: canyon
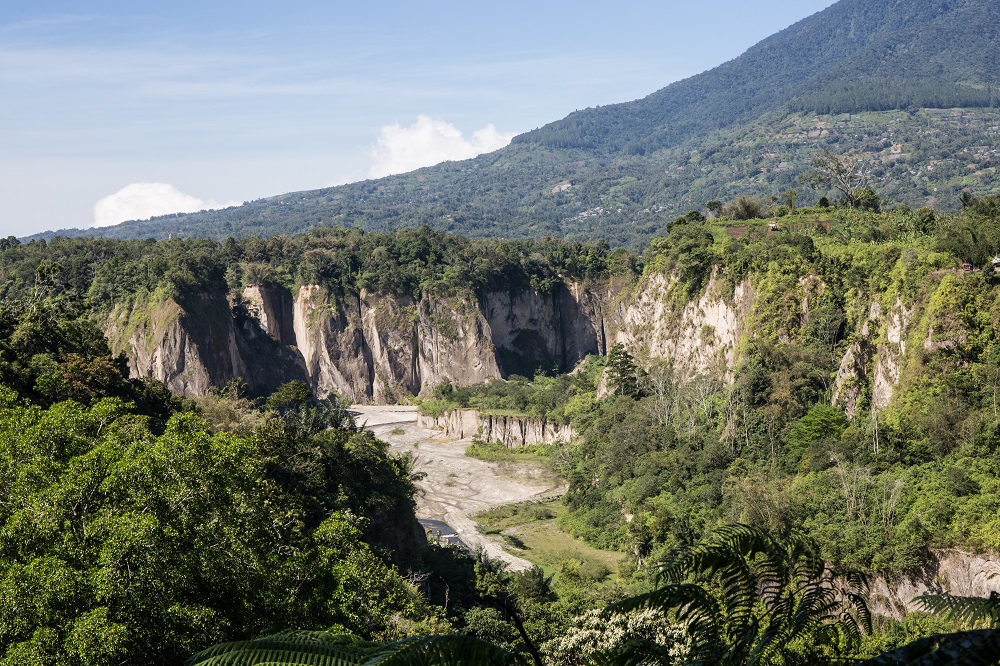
(385,349)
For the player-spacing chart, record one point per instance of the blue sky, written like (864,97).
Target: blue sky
(222,102)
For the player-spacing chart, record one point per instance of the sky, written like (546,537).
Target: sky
(114,110)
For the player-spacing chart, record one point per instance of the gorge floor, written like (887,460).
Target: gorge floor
(455,487)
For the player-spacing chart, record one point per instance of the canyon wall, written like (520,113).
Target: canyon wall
(378,348)
(511,431)
(950,571)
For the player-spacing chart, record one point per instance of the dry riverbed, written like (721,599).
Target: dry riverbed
(456,486)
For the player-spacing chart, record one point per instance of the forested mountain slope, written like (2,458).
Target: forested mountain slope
(621,172)
(920,45)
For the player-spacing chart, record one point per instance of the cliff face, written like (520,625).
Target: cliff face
(701,338)
(199,344)
(368,347)
(511,431)
(950,571)
(381,348)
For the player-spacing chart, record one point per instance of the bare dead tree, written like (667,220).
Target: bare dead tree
(849,174)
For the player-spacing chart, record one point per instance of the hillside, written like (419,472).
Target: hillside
(841,342)
(835,80)
(837,375)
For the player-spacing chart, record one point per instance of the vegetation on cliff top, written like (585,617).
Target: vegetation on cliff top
(283,514)
(796,439)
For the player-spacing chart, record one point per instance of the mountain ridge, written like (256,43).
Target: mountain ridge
(616,163)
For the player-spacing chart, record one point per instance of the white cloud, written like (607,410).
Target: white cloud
(141,201)
(429,141)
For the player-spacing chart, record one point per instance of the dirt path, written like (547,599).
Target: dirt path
(456,486)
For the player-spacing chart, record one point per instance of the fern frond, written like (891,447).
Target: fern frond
(298,648)
(965,648)
(972,611)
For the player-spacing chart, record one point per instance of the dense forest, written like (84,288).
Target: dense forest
(139,527)
(667,458)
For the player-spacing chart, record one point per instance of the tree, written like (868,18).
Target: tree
(746,208)
(748,597)
(849,174)
(791,199)
(622,372)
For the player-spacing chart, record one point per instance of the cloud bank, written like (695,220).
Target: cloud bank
(141,201)
(429,141)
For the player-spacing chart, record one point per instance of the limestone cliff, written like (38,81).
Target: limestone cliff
(701,336)
(371,347)
(949,571)
(510,430)
(198,344)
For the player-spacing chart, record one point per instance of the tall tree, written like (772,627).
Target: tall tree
(849,174)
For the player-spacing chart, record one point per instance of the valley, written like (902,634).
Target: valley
(454,487)
(707,377)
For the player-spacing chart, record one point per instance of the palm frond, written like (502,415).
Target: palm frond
(747,597)
(445,650)
(315,648)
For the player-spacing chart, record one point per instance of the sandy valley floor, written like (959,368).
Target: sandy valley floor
(456,486)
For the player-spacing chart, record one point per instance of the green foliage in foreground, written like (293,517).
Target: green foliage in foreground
(317,648)
(130,532)
(747,597)
(119,544)
(742,598)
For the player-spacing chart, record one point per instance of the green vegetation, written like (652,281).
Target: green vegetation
(133,533)
(556,399)
(532,533)
(411,261)
(743,598)
(164,525)
(786,444)
(913,85)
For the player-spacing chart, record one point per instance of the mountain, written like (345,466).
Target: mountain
(861,76)
(938,53)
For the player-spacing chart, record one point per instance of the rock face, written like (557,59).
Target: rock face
(375,348)
(511,431)
(701,338)
(378,348)
(553,331)
(272,307)
(950,571)
(200,344)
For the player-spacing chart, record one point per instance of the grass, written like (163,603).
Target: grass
(397,431)
(497,452)
(529,530)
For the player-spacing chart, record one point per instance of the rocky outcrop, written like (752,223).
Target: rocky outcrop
(890,354)
(511,431)
(699,338)
(199,344)
(157,345)
(273,308)
(379,348)
(552,331)
(854,367)
(950,571)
